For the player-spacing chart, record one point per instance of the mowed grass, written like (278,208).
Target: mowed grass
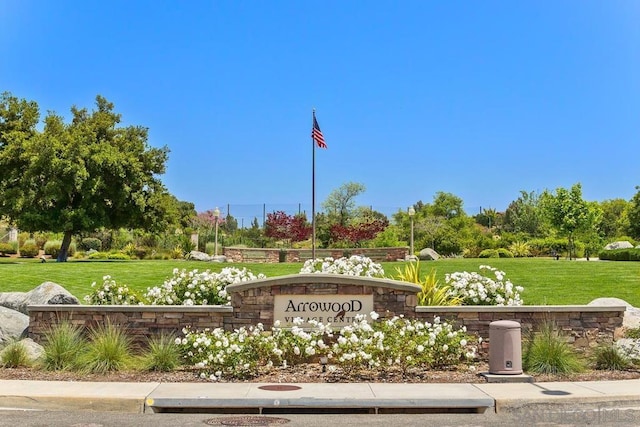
(546,281)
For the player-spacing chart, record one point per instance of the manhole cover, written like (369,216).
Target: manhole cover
(279,387)
(246,421)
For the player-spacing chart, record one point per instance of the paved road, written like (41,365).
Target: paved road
(103,419)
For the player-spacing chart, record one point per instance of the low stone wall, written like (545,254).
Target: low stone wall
(141,322)
(327,298)
(583,325)
(300,255)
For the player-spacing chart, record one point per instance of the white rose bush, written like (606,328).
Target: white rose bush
(198,287)
(490,288)
(182,288)
(385,344)
(355,265)
(110,293)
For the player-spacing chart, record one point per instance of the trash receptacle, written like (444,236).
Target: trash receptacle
(505,348)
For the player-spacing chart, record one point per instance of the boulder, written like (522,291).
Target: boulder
(34,350)
(428,254)
(46,293)
(624,244)
(631,319)
(13,325)
(219,258)
(198,256)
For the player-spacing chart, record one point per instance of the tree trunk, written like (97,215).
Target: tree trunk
(64,249)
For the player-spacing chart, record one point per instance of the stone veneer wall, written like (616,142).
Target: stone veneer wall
(237,254)
(583,325)
(253,303)
(140,321)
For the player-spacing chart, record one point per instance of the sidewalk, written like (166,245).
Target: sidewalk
(500,398)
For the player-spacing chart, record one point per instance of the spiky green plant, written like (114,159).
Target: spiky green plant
(609,358)
(431,292)
(162,354)
(15,355)
(109,349)
(547,352)
(63,345)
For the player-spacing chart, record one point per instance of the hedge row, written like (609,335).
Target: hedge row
(631,254)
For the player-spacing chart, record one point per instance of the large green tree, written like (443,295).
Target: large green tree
(524,215)
(341,203)
(569,213)
(78,176)
(634,215)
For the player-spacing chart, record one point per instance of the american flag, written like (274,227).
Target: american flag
(316,133)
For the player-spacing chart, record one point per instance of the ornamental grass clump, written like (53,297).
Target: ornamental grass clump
(15,355)
(63,345)
(109,349)
(481,289)
(610,358)
(198,287)
(355,265)
(111,293)
(547,352)
(162,354)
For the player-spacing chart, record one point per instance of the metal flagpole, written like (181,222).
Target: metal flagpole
(313,190)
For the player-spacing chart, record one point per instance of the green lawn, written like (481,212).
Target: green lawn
(546,281)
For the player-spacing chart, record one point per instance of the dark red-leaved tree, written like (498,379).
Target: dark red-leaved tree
(355,233)
(281,226)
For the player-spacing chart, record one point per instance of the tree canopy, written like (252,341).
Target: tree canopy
(78,176)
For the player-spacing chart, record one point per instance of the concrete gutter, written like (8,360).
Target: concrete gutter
(501,398)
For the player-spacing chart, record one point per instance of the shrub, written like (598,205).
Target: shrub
(548,246)
(52,248)
(117,256)
(8,248)
(210,247)
(63,346)
(110,293)
(198,288)
(520,249)
(384,345)
(610,358)
(356,265)
(89,243)
(29,249)
(504,253)
(109,349)
(431,293)
(489,253)
(479,289)
(631,254)
(15,355)
(633,333)
(549,353)
(98,255)
(162,354)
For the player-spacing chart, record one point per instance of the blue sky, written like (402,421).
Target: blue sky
(478,99)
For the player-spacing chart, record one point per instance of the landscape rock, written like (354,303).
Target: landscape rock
(623,244)
(46,293)
(428,254)
(219,258)
(13,325)
(631,319)
(198,256)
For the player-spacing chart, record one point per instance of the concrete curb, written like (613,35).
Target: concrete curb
(499,398)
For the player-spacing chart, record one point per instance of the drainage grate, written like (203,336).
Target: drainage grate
(279,387)
(246,421)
